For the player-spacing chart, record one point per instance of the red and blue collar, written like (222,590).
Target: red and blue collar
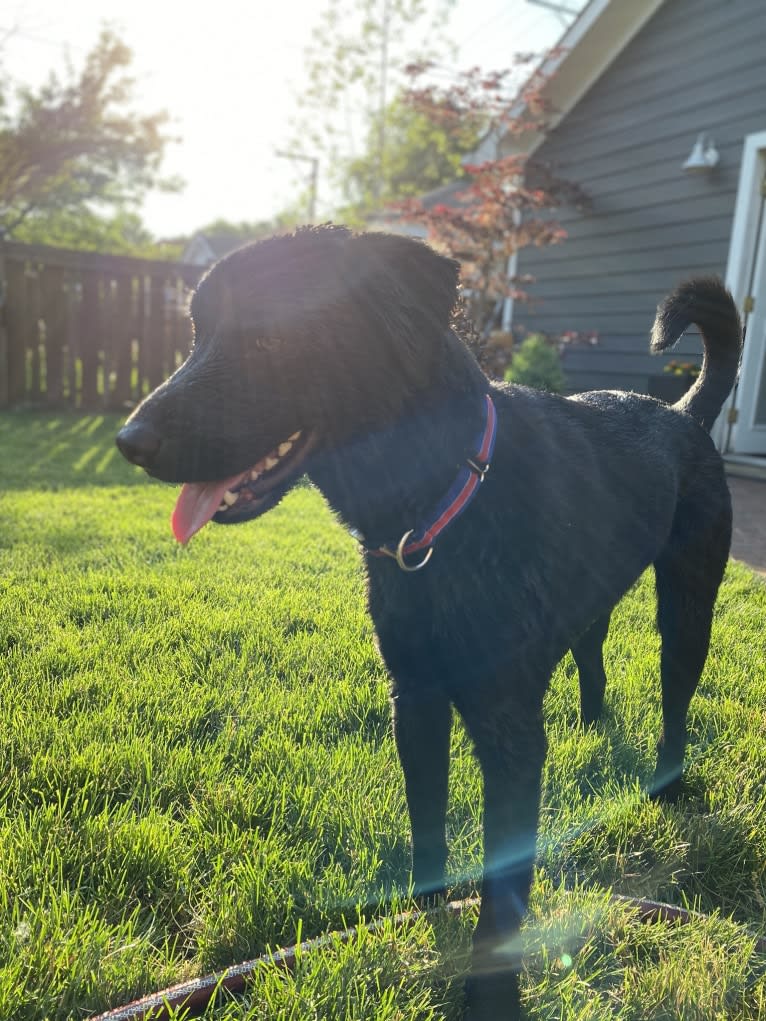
(452,505)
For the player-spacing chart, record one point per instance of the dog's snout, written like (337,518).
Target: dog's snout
(138,443)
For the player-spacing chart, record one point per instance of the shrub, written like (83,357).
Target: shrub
(536,363)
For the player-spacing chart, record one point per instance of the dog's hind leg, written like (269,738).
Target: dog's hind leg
(688,574)
(422,725)
(588,655)
(510,745)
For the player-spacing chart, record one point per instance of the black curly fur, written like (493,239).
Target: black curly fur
(707,304)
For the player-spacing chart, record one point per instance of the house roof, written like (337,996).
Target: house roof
(593,41)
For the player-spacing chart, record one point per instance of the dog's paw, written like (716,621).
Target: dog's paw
(689,790)
(492,998)
(668,793)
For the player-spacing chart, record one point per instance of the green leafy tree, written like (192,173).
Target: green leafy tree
(350,116)
(419,157)
(76,148)
(245,230)
(122,233)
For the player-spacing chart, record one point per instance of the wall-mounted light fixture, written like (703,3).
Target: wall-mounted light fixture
(704,155)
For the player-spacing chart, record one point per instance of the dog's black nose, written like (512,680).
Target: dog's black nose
(138,443)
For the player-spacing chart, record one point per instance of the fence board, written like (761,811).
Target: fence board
(89,335)
(15,308)
(86,330)
(35,350)
(156,342)
(53,311)
(124,333)
(70,336)
(143,332)
(4,358)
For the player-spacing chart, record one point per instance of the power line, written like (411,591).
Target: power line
(12,32)
(525,25)
(313,179)
(499,15)
(16,33)
(556,8)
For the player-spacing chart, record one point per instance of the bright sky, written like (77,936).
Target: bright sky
(229,72)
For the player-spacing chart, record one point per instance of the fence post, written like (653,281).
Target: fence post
(5,365)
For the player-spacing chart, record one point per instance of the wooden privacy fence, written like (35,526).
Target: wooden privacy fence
(89,331)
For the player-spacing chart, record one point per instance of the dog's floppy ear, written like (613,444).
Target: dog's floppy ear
(409,274)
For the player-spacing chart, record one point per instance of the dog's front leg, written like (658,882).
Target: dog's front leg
(510,745)
(422,723)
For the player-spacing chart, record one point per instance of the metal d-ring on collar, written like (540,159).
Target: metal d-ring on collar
(398,556)
(458,497)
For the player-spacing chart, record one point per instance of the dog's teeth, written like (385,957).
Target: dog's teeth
(255,474)
(283,448)
(294,437)
(270,462)
(223,506)
(230,498)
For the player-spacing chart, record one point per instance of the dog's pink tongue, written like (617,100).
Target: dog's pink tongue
(196,505)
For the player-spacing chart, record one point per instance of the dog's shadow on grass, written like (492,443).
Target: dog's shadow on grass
(697,850)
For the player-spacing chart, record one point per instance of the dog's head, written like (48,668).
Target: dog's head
(300,343)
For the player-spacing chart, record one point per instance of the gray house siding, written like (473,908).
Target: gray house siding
(697,65)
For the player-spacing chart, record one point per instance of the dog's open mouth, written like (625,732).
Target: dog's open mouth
(243,496)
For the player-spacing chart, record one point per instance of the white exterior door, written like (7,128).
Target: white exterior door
(741,429)
(749,434)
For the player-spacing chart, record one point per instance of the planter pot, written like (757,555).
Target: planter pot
(669,388)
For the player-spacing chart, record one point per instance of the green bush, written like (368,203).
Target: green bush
(536,363)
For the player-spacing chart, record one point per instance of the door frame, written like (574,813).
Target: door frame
(740,270)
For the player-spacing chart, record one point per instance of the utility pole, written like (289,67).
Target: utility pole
(313,179)
(382,91)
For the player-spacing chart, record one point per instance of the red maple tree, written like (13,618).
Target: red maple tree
(508,202)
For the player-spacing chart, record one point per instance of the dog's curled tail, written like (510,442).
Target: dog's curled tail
(705,302)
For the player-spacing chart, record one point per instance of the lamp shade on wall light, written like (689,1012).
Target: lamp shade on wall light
(704,155)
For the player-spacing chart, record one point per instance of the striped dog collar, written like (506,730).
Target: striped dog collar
(452,505)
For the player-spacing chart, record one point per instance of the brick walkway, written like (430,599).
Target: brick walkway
(749,538)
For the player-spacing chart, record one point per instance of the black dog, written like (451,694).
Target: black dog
(333,354)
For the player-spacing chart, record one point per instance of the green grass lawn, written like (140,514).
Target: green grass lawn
(196,764)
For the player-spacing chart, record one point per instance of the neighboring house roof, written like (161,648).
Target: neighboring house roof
(204,249)
(451,194)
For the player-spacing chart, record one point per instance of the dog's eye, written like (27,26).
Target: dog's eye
(267,343)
